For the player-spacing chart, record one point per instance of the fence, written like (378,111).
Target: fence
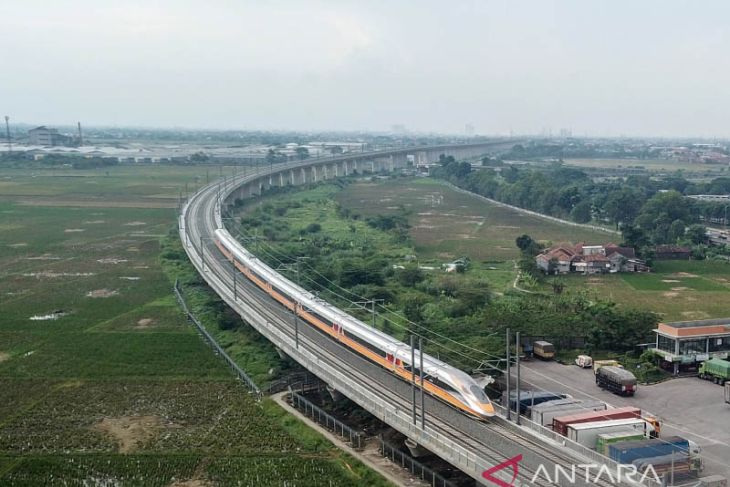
(214,345)
(413,465)
(325,419)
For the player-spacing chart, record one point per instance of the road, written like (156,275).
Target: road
(494,441)
(687,407)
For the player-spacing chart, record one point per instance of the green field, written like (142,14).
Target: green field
(447,224)
(103,381)
(676,290)
(649,165)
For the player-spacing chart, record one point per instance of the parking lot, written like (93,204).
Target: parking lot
(687,407)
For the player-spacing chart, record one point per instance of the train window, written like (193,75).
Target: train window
(479,393)
(439,383)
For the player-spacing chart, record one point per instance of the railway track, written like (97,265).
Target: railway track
(492,441)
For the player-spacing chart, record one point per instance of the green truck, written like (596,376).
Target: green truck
(607,439)
(716,370)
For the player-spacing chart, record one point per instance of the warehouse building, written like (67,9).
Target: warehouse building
(687,343)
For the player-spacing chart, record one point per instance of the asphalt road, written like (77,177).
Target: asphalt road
(687,407)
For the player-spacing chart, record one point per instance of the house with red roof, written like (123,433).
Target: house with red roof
(589,259)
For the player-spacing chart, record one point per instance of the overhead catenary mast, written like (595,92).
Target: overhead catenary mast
(7,133)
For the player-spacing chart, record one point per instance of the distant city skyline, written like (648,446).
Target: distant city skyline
(651,68)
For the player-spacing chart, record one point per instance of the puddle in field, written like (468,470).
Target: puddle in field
(74,230)
(135,224)
(111,260)
(51,275)
(129,278)
(50,316)
(102,293)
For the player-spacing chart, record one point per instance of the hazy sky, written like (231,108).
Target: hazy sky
(599,67)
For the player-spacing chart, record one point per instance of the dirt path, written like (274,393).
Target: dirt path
(369,455)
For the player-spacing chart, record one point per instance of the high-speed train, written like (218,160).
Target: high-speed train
(441,380)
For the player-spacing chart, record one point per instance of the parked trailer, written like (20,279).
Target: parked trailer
(545,413)
(587,433)
(607,439)
(543,350)
(727,392)
(716,370)
(627,451)
(674,464)
(617,380)
(530,399)
(561,423)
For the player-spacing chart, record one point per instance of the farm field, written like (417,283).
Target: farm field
(103,382)
(651,165)
(676,290)
(447,224)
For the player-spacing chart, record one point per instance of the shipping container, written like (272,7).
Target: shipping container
(607,439)
(628,451)
(587,433)
(544,413)
(530,399)
(560,423)
(727,392)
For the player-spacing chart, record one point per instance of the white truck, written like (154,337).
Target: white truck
(587,433)
(544,413)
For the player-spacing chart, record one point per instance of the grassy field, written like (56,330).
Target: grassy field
(676,290)
(650,165)
(447,224)
(103,382)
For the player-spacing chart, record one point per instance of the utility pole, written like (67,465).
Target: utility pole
(7,133)
(509,372)
(517,363)
(233,274)
(413,378)
(423,402)
(202,254)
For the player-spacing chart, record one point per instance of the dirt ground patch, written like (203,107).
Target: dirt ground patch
(130,431)
(683,274)
(74,230)
(681,288)
(4,356)
(144,323)
(670,294)
(102,293)
(670,280)
(695,315)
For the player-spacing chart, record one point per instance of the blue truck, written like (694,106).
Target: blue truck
(672,452)
(529,399)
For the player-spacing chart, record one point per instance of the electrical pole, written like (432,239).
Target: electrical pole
(202,254)
(7,133)
(233,274)
(413,378)
(423,403)
(517,363)
(509,372)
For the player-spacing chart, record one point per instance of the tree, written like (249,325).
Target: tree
(410,276)
(302,153)
(634,236)
(523,242)
(336,149)
(697,234)
(582,213)
(676,231)
(660,213)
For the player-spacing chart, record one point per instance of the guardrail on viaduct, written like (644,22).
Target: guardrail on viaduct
(314,170)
